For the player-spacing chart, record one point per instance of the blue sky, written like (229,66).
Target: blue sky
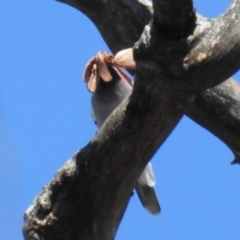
(45,118)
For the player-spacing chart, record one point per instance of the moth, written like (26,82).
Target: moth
(98,67)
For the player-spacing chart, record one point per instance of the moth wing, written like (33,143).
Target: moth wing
(102,68)
(88,69)
(124,59)
(121,73)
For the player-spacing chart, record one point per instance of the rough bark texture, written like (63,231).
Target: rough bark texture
(114,15)
(88,196)
(218,110)
(174,22)
(174,69)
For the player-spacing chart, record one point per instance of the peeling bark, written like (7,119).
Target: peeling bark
(174,69)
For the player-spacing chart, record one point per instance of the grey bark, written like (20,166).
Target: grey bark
(174,69)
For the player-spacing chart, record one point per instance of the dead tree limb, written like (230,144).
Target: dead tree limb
(218,110)
(119,35)
(88,196)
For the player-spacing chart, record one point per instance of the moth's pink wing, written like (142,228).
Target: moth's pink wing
(93,79)
(88,69)
(124,59)
(123,75)
(102,68)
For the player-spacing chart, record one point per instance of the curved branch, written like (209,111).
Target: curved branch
(198,110)
(218,110)
(98,175)
(216,55)
(199,61)
(110,18)
(88,196)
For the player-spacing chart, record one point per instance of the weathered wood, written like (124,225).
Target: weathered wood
(88,196)
(132,32)
(174,19)
(218,110)
(110,18)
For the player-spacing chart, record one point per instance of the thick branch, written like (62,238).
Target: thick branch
(216,54)
(198,112)
(218,110)
(174,19)
(88,196)
(110,18)
(192,64)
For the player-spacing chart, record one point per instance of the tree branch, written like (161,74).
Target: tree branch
(142,15)
(202,60)
(218,110)
(174,19)
(110,18)
(88,196)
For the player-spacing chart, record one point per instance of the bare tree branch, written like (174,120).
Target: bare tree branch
(174,19)
(202,60)
(88,196)
(130,33)
(110,18)
(218,110)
